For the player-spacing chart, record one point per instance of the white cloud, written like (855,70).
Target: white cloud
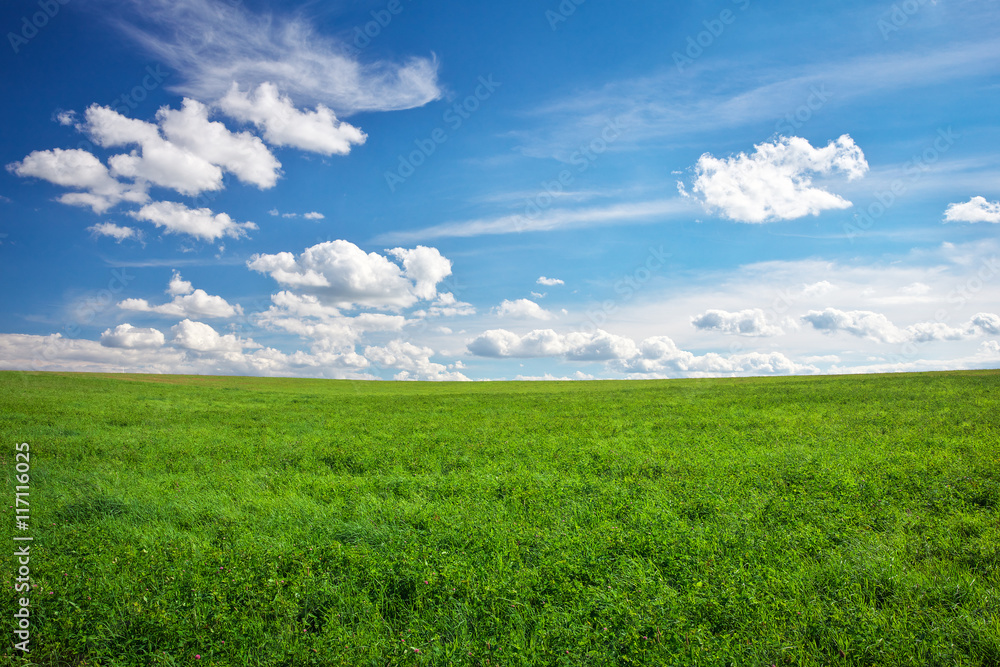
(976,209)
(313,215)
(56,353)
(412,361)
(426,267)
(318,131)
(77,168)
(178,285)
(211,44)
(989,323)
(191,158)
(447,305)
(134,338)
(989,348)
(861,323)
(66,117)
(523,309)
(241,153)
(657,356)
(331,335)
(877,327)
(343,275)
(157,161)
(818,288)
(117,232)
(200,337)
(546,220)
(201,223)
(748,322)
(549,377)
(775,182)
(549,282)
(581,346)
(187,303)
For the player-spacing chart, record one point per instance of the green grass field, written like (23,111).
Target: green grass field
(242,521)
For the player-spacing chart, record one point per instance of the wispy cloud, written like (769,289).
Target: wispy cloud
(548,220)
(213,44)
(675,108)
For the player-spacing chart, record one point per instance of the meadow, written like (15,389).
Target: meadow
(838,520)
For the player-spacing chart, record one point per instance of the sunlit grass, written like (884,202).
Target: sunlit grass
(800,521)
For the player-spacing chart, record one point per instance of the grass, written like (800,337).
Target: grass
(786,521)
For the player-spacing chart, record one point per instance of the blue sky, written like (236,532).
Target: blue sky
(453,190)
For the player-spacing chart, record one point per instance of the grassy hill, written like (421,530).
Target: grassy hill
(178,520)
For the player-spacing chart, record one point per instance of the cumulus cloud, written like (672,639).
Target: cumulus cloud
(412,361)
(977,209)
(318,131)
(775,181)
(523,309)
(187,303)
(201,223)
(657,356)
(749,322)
(549,282)
(877,327)
(343,275)
(241,154)
(212,43)
(581,346)
(200,337)
(117,232)
(313,215)
(861,323)
(192,157)
(133,338)
(76,168)
(988,323)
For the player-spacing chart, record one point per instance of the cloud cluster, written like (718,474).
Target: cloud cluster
(201,223)
(318,131)
(656,356)
(78,169)
(748,322)
(412,361)
(186,152)
(775,181)
(877,327)
(187,303)
(341,274)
